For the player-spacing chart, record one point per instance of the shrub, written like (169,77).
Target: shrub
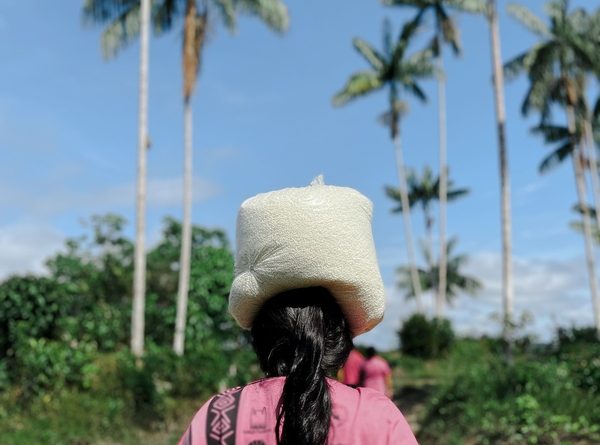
(574,338)
(529,402)
(45,366)
(33,305)
(420,337)
(138,378)
(103,325)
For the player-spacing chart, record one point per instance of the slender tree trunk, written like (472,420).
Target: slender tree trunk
(139,275)
(414,275)
(593,161)
(587,232)
(186,235)
(441,291)
(428,227)
(498,76)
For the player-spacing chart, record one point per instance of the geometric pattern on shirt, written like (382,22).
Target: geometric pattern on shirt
(222,416)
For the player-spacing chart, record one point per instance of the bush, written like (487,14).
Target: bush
(103,325)
(529,402)
(139,382)
(420,337)
(33,305)
(45,366)
(575,338)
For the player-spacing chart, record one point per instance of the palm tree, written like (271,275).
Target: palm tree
(505,213)
(445,32)
(456,284)
(423,191)
(393,69)
(196,16)
(567,51)
(139,14)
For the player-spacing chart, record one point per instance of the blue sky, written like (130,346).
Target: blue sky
(263,120)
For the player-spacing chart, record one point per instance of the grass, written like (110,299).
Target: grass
(75,418)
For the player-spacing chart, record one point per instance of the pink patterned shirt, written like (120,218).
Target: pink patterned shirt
(246,416)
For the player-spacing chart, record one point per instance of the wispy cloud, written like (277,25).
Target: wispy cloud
(554,292)
(25,247)
(162,192)
(531,187)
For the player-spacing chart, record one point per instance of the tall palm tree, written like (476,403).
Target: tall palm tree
(139,17)
(196,15)
(424,191)
(456,284)
(567,51)
(445,32)
(274,13)
(393,69)
(491,14)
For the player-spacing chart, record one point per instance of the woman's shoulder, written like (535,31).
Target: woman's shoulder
(377,408)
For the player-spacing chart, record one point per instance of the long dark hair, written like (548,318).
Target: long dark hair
(303,335)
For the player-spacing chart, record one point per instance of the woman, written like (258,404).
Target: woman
(306,282)
(350,372)
(376,373)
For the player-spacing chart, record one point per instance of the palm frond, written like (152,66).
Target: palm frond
(165,14)
(557,10)
(591,210)
(374,58)
(120,32)
(407,33)
(519,64)
(551,133)
(449,30)
(416,91)
(394,194)
(409,3)
(556,158)
(420,64)
(528,19)
(472,6)
(454,194)
(358,85)
(540,96)
(227,12)
(273,12)
(105,11)
(405,282)
(578,227)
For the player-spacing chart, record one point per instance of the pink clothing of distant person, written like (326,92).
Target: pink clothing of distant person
(246,415)
(352,368)
(375,372)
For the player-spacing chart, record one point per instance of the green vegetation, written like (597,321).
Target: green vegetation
(423,338)
(66,373)
(550,394)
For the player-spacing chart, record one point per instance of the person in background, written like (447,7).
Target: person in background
(350,373)
(306,283)
(376,373)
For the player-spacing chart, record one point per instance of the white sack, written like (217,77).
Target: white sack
(318,235)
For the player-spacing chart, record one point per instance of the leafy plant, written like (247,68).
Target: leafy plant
(420,337)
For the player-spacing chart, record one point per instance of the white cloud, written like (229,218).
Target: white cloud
(24,248)
(554,292)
